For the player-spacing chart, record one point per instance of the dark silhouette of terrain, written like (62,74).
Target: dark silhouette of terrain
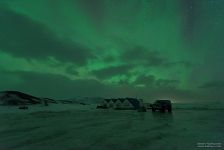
(15,98)
(18,98)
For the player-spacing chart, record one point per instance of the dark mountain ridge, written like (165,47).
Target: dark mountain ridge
(18,98)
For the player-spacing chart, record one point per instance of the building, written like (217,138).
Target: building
(122,103)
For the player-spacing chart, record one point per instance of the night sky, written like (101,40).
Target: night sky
(151,49)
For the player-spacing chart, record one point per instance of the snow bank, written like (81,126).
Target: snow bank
(79,127)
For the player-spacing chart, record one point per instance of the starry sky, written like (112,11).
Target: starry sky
(151,49)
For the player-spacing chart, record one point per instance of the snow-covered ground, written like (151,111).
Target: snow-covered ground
(82,127)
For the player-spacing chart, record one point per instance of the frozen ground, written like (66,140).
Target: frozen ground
(75,127)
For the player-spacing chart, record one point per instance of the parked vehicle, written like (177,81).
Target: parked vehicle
(162,106)
(101,106)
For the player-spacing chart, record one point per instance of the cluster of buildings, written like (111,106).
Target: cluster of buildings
(121,103)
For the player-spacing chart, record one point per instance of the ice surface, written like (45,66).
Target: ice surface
(82,127)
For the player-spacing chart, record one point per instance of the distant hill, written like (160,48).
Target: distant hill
(18,98)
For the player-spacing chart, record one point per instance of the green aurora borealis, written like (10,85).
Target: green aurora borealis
(150,49)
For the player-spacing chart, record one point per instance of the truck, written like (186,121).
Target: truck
(162,106)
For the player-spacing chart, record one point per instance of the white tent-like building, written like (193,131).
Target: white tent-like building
(122,103)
